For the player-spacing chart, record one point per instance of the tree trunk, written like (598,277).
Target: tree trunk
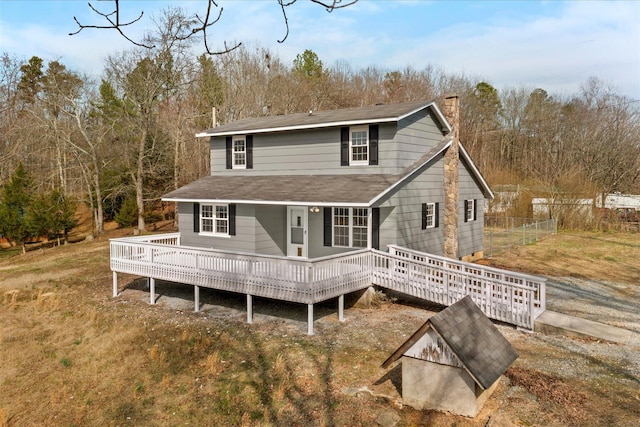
(138,181)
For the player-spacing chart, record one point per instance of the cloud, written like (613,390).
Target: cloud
(557,53)
(84,52)
(556,46)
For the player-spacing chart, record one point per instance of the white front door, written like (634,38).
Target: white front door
(297,231)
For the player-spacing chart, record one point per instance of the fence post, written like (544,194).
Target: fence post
(523,235)
(491,244)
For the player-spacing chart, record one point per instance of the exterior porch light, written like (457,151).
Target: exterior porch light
(314,209)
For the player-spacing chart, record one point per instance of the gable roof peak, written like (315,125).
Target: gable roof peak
(476,342)
(378,113)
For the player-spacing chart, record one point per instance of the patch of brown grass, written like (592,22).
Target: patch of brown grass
(80,357)
(551,389)
(589,255)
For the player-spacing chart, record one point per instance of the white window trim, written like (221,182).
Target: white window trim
(432,216)
(234,165)
(214,219)
(468,214)
(351,227)
(358,162)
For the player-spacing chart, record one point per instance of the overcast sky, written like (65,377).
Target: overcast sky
(549,44)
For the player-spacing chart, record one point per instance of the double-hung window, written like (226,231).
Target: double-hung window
(469,210)
(214,219)
(239,152)
(359,146)
(351,227)
(430,215)
(359,227)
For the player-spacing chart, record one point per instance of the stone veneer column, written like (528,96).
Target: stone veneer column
(451,184)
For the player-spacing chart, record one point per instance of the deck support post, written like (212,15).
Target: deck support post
(115,284)
(152,290)
(196,297)
(309,319)
(249,308)
(341,308)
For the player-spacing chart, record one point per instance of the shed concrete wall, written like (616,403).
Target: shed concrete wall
(428,385)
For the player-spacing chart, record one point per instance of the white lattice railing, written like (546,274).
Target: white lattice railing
(502,295)
(303,281)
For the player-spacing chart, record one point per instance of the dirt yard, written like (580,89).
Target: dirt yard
(72,355)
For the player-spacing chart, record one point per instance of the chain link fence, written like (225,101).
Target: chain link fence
(504,233)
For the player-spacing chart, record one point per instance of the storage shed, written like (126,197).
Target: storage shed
(453,361)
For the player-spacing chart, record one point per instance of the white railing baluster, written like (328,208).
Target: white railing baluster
(511,297)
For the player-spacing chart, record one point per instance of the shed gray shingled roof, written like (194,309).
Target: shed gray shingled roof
(343,117)
(477,343)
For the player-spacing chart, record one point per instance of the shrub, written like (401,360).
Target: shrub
(127,216)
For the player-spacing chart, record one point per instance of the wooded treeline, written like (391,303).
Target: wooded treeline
(119,143)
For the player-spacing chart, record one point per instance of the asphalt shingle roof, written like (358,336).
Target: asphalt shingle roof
(382,112)
(310,189)
(477,343)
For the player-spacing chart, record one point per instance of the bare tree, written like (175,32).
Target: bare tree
(199,24)
(9,101)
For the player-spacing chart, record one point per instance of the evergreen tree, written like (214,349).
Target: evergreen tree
(15,200)
(51,214)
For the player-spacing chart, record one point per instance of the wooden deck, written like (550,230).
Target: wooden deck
(502,295)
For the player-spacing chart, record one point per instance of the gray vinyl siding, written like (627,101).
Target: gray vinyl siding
(388,227)
(416,135)
(317,151)
(309,152)
(470,234)
(403,223)
(259,229)
(243,241)
(271,233)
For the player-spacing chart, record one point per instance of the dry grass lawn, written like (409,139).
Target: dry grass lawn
(597,256)
(70,355)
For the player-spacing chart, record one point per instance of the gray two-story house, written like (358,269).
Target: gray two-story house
(321,183)
(309,207)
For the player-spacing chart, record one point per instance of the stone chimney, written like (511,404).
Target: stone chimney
(451,185)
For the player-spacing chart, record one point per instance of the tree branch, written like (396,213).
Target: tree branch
(206,23)
(114,25)
(329,6)
(203,24)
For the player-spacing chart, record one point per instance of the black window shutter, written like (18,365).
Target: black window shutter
(327,226)
(375,228)
(196,217)
(466,209)
(436,209)
(424,216)
(232,219)
(229,152)
(344,146)
(373,144)
(249,148)
(475,209)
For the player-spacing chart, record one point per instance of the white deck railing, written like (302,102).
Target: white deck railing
(303,281)
(502,295)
